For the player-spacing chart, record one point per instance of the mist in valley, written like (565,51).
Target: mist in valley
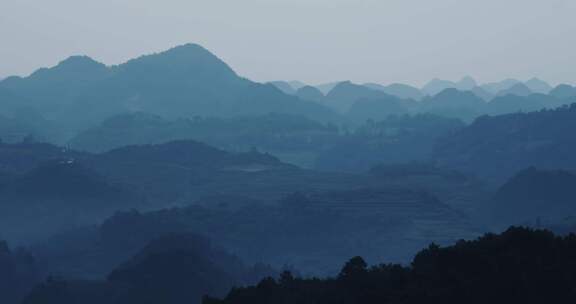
(171,177)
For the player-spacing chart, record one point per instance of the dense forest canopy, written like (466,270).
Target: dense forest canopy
(530,266)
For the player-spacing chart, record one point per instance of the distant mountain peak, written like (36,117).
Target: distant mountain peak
(495,87)
(453,92)
(400,90)
(184,58)
(467,83)
(346,86)
(325,88)
(188,49)
(436,85)
(519,89)
(563,91)
(468,78)
(344,83)
(71,68)
(539,86)
(296,84)
(284,86)
(79,60)
(310,93)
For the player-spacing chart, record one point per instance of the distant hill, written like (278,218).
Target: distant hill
(20,158)
(399,90)
(173,268)
(454,103)
(345,94)
(376,109)
(184,81)
(467,83)
(56,196)
(511,103)
(469,105)
(499,146)
(495,87)
(45,188)
(435,86)
(185,170)
(564,91)
(482,93)
(10,101)
(18,120)
(283,86)
(272,132)
(397,139)
(535,196)
(13,130)
(296,84)
(518,89)
(50,89)
(183,267)
(325,88)
(310,93)
(538,86)
(62,180)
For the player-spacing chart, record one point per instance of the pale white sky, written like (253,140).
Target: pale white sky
(310,40)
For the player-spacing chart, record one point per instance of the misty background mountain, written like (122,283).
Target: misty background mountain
(171,171)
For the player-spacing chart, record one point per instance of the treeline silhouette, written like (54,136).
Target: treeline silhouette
(518,266)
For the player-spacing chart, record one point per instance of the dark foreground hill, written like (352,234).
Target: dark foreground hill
(177,268)
(18,273)
(517,266)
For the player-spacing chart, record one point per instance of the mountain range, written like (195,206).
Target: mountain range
(125,183)
(185,81)
(486,91)
(56,104)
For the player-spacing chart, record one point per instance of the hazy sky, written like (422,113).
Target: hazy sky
(311,40)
